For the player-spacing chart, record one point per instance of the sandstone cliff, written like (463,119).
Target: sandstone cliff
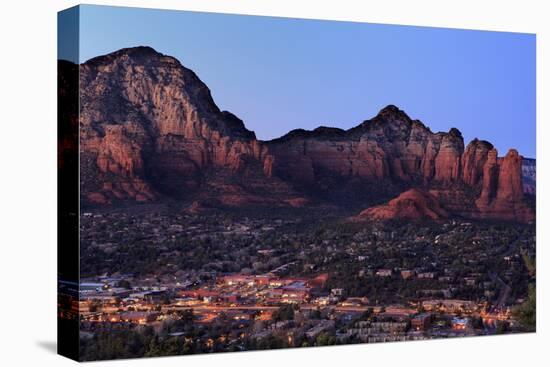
(471,182)
(149,129)
(390,146)
(502,191)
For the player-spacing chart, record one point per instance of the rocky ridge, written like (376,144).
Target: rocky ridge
(471,181)
(150,129)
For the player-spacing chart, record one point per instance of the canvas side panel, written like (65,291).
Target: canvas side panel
(68,183)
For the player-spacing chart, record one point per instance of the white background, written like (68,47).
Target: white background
(28,181)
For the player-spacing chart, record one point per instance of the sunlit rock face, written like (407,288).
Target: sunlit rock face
(389,146)
(471,182)
(150,126)
(149,129)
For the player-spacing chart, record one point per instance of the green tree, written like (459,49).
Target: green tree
(284,313)
(530,263)
(325,339)
(526,313)
(154,349)
(502,327)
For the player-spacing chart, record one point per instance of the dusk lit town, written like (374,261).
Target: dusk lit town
(227,285)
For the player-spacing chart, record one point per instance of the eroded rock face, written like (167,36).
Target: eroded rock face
(502,188)
(413,204)
(510,186)
(448,159)
(489,179)
(390,146)
(474,160)
(149,128)
(502,195)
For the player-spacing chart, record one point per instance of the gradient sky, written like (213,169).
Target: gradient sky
(278,74)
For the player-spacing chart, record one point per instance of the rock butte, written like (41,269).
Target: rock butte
(149,129)
(411,204)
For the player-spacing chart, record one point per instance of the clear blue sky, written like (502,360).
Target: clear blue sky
(279,74)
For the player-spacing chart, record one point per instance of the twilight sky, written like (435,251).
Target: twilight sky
(278,74)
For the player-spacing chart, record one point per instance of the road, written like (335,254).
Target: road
(505,290)
(217,308)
